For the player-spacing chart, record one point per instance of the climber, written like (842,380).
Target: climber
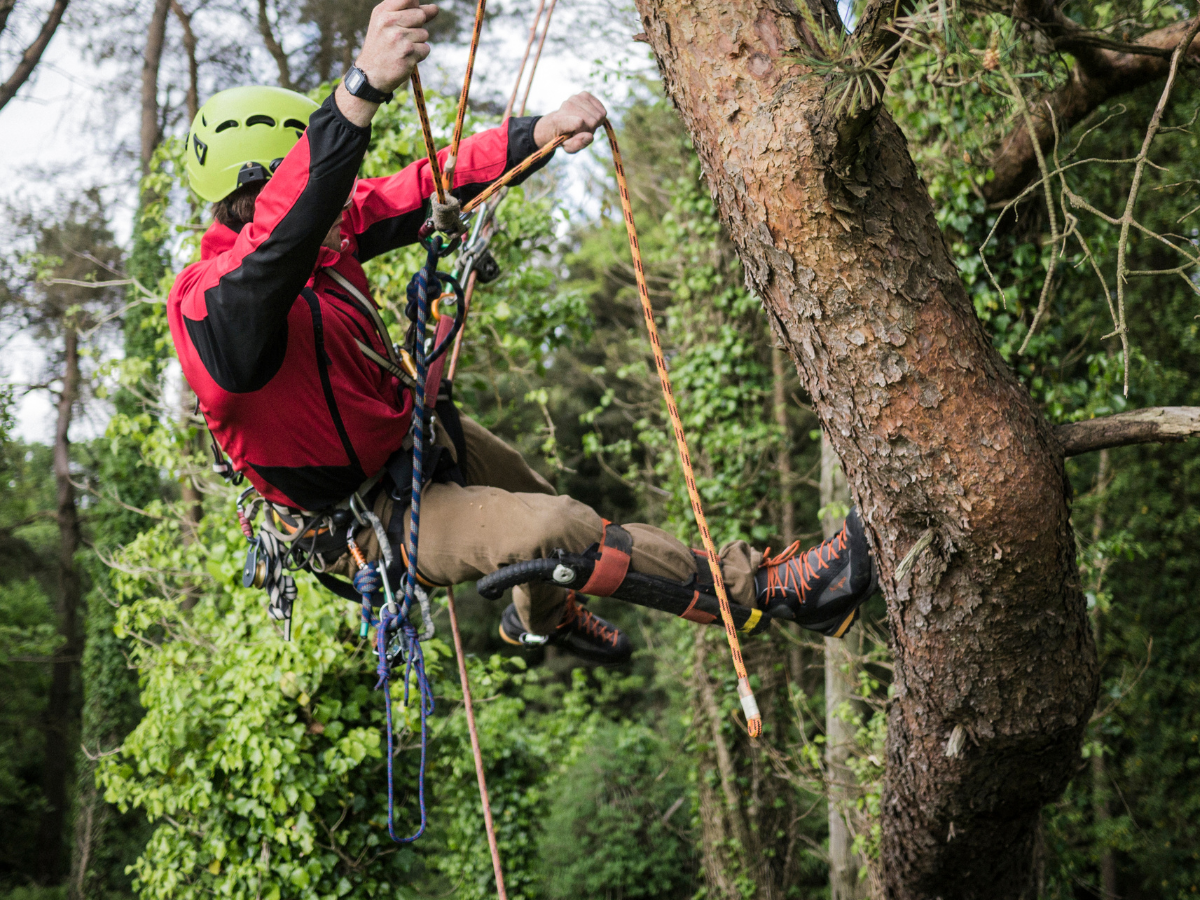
(279,338)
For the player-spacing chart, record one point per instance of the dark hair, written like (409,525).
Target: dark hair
(235,210)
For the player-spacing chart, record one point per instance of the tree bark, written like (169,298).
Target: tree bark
(33,53)
(937,438)
(156,35)
(61,704)
(1100,810)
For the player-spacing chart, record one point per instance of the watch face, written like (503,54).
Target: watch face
(354,80)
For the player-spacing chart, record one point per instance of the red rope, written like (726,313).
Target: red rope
(479,773)
(524,59)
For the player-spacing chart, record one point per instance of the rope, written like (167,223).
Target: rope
(537,57)
(514,172)
(521,71)
(749,706)
(427,133)
(489,825)
(466,89)
(414,658)
(419,413)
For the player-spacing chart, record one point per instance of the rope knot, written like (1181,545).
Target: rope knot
(447,217)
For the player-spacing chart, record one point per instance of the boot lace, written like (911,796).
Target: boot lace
(577,617)
(798,576)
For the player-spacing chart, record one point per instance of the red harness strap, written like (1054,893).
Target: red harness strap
(616,545)
(433,378)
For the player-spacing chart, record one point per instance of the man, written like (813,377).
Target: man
(271,325)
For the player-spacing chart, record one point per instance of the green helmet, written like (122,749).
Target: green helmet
(241,136)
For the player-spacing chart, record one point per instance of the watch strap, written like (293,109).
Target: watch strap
(355,81)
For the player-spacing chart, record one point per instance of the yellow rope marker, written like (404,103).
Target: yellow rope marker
(749,705)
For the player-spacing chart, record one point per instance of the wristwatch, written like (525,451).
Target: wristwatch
(355,81)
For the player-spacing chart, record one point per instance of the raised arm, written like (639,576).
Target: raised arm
(235,306)
(387,212)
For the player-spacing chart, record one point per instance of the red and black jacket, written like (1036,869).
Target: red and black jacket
(267,340)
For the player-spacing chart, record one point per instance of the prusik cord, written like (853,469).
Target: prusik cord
(749,706)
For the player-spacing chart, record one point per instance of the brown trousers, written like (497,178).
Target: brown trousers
(508,513)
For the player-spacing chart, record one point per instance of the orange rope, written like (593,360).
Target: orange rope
(466,88)
(489,825)
(753,718)
(538,56)
(515,172)
(427,132)
(524,59)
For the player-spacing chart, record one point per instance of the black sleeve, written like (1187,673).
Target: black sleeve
(242,338)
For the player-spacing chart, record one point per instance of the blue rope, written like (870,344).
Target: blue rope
(418,467)
(398,621)
(414,658)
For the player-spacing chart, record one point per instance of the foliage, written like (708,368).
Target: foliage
(609,832)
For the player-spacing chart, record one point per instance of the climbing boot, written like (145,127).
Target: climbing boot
(580,632)
(822,588)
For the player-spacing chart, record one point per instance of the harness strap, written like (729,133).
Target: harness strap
(372,313)
(433,378)
(616,545)
(386,364)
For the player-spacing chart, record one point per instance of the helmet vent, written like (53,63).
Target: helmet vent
(294,123)
(201,149)
(260,120)
(228,123)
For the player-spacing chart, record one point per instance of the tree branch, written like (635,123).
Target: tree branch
(1156,424)
(1099,75)
(33,53)
(273,46)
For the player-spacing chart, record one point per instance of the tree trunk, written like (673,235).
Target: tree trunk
(156,35)
(937,437)
(1100,790)
(744,805)
(33,53)
(61,705)
(189,49)
(840,675)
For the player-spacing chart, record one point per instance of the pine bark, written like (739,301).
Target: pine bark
(935,434)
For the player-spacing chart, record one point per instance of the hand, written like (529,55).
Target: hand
(578,118)
(396,41)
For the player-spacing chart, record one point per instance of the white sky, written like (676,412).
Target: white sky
(53,143)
